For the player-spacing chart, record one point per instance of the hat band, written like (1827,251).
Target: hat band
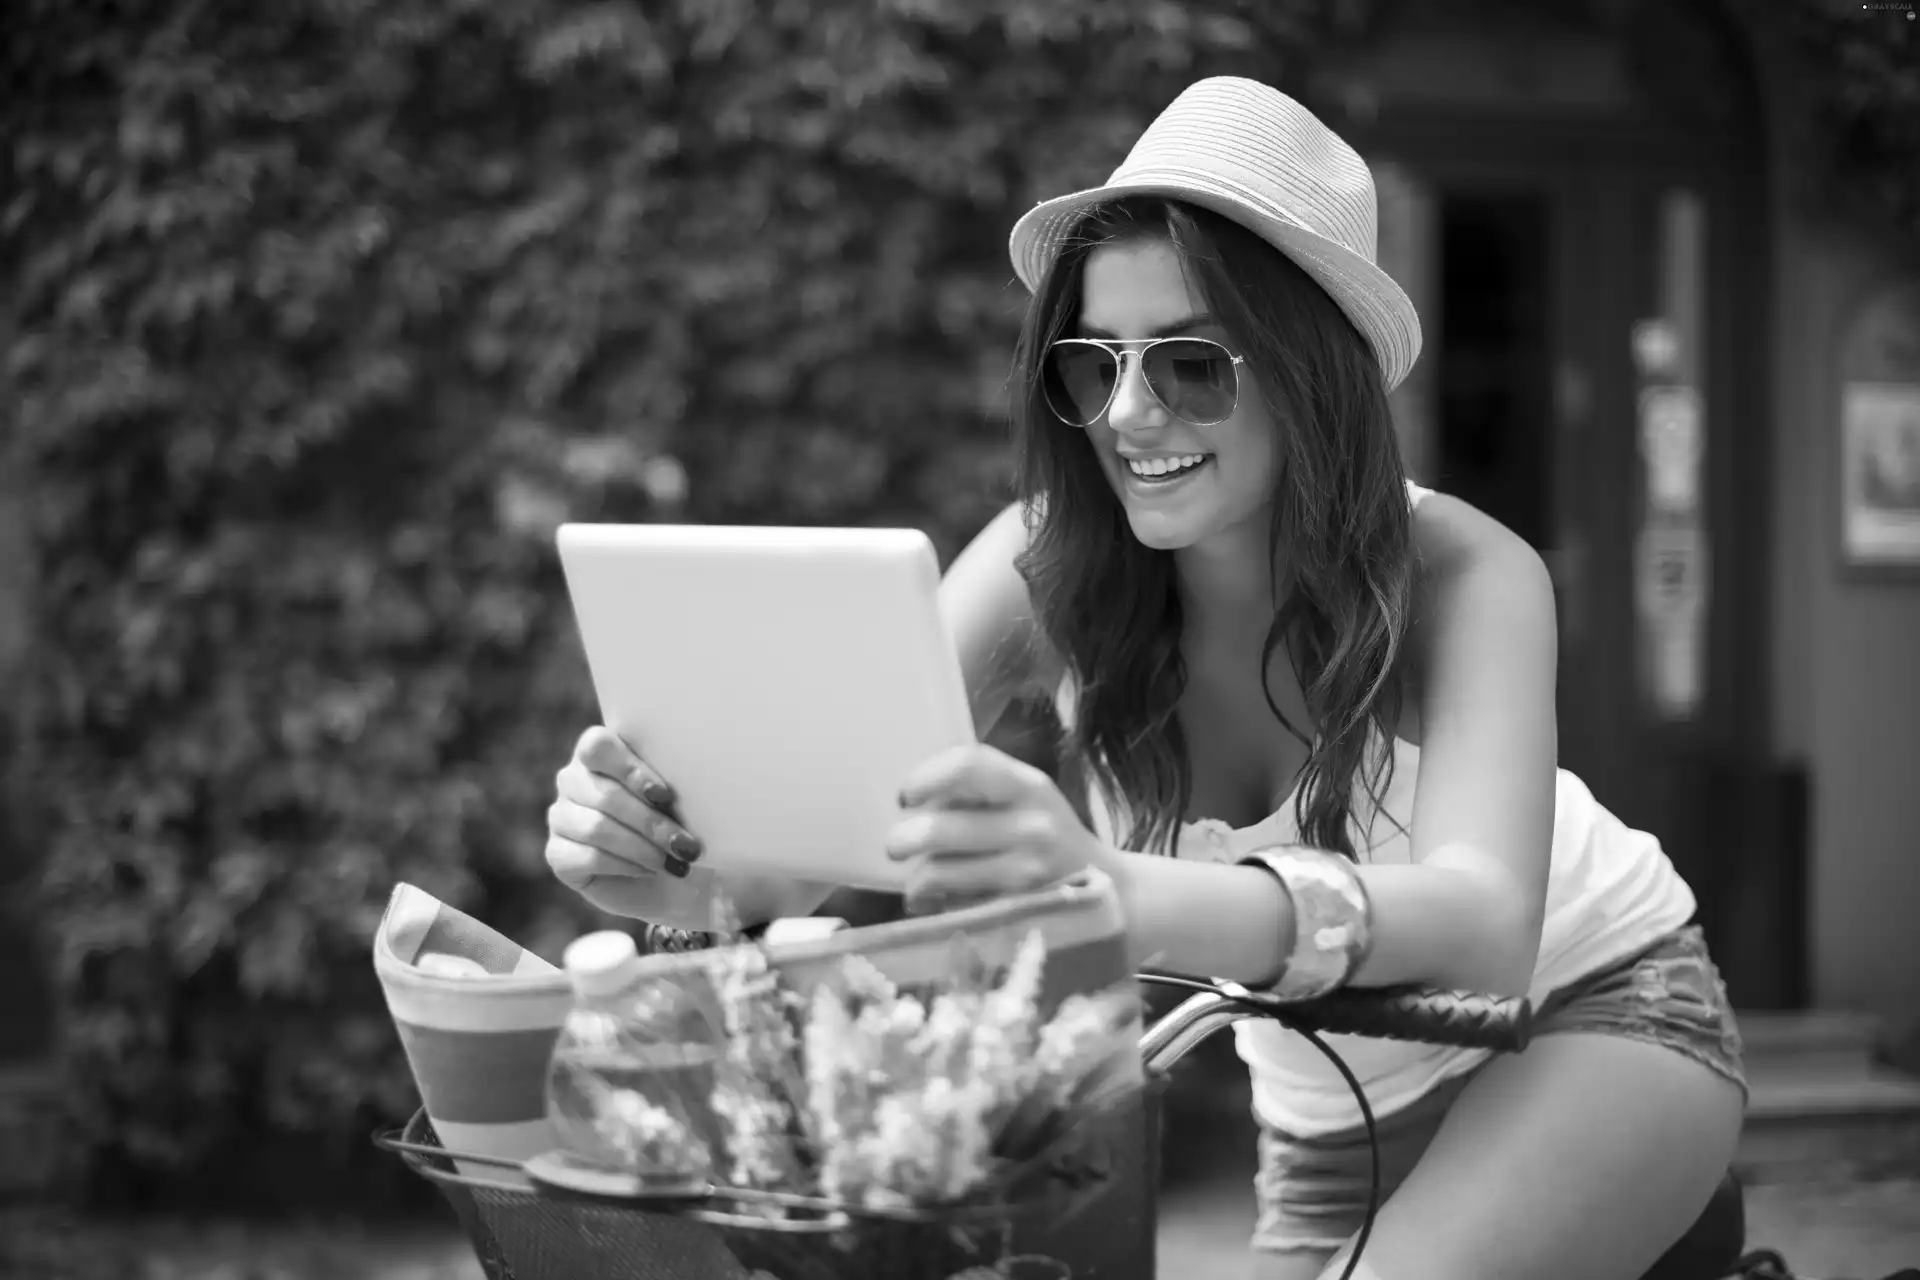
(1219,184)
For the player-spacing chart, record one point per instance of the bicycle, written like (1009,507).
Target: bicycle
(520,1232)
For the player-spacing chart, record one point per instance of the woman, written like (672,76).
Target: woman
(1329,695)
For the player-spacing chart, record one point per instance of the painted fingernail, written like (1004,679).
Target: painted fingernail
(675,867)
(921,831)
(906,837)
(684,845)
(658,794)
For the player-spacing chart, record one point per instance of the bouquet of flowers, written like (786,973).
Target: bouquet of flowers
(922,1120)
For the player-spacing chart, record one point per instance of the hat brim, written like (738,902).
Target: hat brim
(1378,307)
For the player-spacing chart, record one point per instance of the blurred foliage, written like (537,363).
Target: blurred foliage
(323,315)
(56,1243)
(326,312)
(1867,89)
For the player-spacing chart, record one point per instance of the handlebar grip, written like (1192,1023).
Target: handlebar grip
(1424,1014)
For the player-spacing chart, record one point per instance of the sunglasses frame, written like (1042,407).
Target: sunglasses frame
(1120,349)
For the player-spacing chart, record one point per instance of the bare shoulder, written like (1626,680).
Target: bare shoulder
(1449,533)
(1484,611)
(1002,648)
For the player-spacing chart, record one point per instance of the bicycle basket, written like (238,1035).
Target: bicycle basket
(522,1234)
(479,1049)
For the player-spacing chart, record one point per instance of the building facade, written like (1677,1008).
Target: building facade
(1652,350)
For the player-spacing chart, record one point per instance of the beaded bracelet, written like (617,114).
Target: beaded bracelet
(658,939)
(1332,919)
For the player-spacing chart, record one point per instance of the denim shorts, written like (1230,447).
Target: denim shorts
(1312,1192)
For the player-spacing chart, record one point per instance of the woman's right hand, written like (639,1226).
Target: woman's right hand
(612,837)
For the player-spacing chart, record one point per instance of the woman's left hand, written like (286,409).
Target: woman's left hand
(981,824)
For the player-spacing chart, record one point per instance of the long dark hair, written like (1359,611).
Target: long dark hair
(1110,606)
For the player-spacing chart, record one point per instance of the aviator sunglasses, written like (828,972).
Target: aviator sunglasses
(1195,379)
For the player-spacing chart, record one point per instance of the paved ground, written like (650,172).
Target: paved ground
(1830,1232)
(1859,1231)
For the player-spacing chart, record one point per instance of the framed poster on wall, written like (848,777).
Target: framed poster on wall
(1880,475)
(1879,433)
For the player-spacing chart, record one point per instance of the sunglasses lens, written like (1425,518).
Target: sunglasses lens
(1194,378)
(1078,380)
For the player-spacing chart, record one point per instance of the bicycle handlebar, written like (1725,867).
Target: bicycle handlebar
(1427,1015)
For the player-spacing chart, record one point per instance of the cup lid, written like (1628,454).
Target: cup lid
(601,963)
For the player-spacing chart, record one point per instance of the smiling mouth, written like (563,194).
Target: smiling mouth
(1163,469)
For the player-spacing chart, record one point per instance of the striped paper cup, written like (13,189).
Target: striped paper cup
(478,1044)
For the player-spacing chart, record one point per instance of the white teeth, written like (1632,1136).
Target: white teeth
(1164,466)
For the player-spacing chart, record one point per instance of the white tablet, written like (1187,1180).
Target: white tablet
(784,681)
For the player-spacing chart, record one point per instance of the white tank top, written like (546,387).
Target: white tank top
(1611,892)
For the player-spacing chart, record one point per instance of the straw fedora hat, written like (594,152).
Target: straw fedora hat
(1250,153)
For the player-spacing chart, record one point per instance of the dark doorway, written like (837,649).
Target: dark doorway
(1494,331)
